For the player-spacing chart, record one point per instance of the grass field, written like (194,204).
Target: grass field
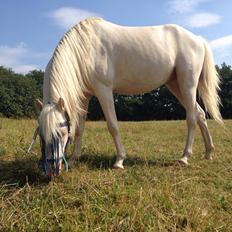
(149,195)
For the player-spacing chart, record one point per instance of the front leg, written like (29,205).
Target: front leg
(78,140)
(78,135)
(106,100)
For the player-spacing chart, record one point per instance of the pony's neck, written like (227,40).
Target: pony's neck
(68,72)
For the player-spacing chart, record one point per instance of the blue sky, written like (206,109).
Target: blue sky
(30,29)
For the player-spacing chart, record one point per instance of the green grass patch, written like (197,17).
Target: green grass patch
(149,195)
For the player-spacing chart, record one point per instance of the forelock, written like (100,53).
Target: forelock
(49,120)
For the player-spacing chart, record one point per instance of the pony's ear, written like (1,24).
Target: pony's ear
(60,105)
(38,104)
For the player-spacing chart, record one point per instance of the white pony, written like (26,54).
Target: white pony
(96,57)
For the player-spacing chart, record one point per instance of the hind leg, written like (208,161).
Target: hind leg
(201,120)
(189,103)
(191,118)
(209,147)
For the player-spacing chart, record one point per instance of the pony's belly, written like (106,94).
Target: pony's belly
(132,91)
(136,85)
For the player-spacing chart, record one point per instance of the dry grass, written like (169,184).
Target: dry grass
(150,195)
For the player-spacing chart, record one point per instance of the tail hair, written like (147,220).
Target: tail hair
(208,86)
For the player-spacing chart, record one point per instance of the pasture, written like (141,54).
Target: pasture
(151,194)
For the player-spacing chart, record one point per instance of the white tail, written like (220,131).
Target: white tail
(208,86)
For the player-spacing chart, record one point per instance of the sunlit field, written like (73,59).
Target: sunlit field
(151,194)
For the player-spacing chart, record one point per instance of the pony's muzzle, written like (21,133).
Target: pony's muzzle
(51,167)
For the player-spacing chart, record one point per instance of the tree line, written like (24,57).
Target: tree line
(18,93)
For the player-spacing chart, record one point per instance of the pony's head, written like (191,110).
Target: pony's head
(54,132)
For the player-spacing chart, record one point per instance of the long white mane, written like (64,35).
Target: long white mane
(67,72)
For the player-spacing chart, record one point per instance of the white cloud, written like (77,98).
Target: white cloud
(13,57)
(24,68)
(8,55)
(202,20)
(66,17)
(184,6)
(221,43)
(222,49)
(187,13)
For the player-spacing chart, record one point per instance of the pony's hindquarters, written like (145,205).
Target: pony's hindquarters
(208,86)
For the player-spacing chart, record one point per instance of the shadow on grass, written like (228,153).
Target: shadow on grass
(20,172)
(25,170)
(98,161)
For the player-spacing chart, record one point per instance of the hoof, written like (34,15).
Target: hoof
(209,153)
(118,164)
(208,156)
(183,161)
(119,167)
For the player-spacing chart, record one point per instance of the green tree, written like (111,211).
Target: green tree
(18,93)
(225,73)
